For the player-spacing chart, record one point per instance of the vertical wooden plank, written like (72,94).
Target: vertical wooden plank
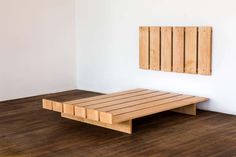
(178,49)
(204,50)
(166,48)
(155,45)
(144,47)
(191,50)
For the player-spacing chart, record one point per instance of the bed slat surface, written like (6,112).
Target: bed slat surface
(125,106)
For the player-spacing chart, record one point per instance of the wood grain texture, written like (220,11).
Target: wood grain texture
(178,49)
(191,50)
(57,106)
(156,109)
(144,47)
(47,104)
(155,48)
(27,130)
(166,49)
(109,109)
(204,50)
(125,127)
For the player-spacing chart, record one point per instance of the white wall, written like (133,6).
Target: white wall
(107,47)
(37,47)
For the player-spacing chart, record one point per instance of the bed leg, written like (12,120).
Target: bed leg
(190,109)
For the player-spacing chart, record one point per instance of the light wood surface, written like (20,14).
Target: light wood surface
(191,50)
(156,109)
(178,49)
(47,104)
(119,108)
(104,96)
(81,107)
(125,127)
(204,50)
(57,106)
(144,47)
(155,48)
(166,48)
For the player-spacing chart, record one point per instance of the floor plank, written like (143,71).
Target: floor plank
(27,130)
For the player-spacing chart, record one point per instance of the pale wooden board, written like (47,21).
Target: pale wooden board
(57,106)
(144,47)
(191,50)
(125,127)
(178,49)
(81,107)
(155,109)
(204,50)
(126,100)
(103,96)
(108,99)
(69,109)
(148,104)
(137,102)
(166,49)
(47,104)
(93,114)
(108,117)
(155,45)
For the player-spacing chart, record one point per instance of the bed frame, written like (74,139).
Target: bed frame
(117,110)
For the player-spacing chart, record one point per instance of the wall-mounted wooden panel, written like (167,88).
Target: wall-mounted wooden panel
(155,48)
(177,49)
(144,47)
(204,50)
(191,50)
(166,48)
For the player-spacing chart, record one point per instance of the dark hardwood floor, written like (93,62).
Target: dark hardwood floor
(26,130)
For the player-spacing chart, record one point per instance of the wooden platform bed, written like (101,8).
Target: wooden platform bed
(116,111)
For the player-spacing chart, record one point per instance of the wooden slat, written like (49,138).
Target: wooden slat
(149,104)
(57,106)
(47,104)
(204,50)
(103,96)
(69,109)
(138,102)
(104,116)
(191,50)
(178,49)
(80,109)
(155,109)
(155,45)
(93,114)
(108,99)
(166,48)
(126,100)
(144,47)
